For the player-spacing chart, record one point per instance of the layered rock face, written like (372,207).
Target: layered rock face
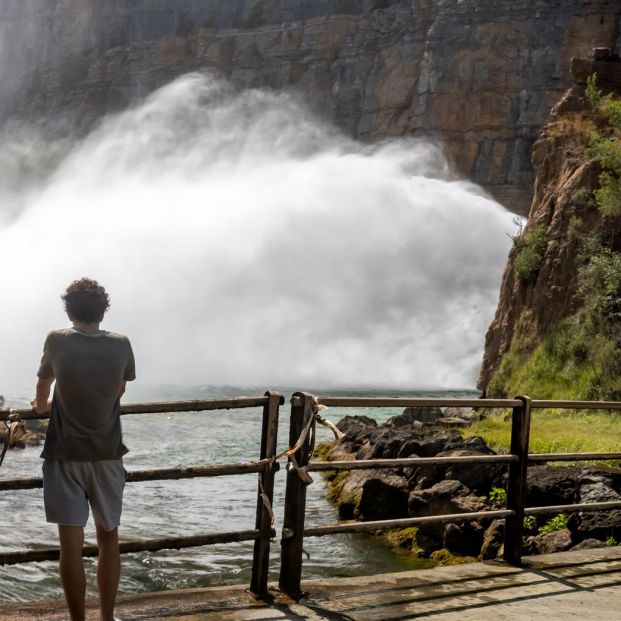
(478,76)
(566,175)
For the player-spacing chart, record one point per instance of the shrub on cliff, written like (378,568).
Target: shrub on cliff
(605,145)
(531,249)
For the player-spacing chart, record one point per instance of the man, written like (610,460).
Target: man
(83,447)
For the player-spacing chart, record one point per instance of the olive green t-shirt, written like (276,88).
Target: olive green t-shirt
(89,369)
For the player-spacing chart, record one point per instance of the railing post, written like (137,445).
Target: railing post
(261,554)
(516,488)
(295,502)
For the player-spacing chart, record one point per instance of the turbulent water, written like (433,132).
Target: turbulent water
(243,242)
(193,506)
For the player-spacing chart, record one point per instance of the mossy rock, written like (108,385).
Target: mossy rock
(405,538)
(444,557)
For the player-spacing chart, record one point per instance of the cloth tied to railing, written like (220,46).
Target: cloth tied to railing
(16,430)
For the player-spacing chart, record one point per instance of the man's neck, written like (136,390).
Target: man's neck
(86,327)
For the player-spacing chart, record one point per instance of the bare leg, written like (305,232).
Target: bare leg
(108,570)
(72,569)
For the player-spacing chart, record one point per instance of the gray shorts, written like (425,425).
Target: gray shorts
(70,486)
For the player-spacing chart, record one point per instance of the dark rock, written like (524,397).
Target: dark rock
(424,446)
(384,498)
(412,416)
(382,444)
(547,486)
(370,495)
(357,430)
(473,443)
(355,423)
(480,478)
(464,539)
(493,540)
(445,497)
(557,541)
(596,524)
(589,544)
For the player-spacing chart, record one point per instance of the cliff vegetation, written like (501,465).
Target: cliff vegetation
(559,316)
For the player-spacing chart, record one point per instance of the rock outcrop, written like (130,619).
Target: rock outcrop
(478,76)
(563,211)
(445,490)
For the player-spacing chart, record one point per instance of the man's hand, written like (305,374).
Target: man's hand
(41,403)
(46,408)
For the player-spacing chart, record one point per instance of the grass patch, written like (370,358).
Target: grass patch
(555,431)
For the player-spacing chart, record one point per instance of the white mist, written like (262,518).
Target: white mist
(244,243)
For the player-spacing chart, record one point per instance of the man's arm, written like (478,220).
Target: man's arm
(41,403)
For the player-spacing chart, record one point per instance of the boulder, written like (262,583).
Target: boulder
(465,414)
(411,416)
(547,485)
(589,544)
(445,497)
(480,478)
(493,540)
(370,495)
(383,497)
(557,541)
(596,524)
(464,539)
(382,444)
(357,430)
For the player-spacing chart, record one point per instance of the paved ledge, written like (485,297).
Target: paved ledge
(572,585)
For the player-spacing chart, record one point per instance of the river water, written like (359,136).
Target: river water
(193,506)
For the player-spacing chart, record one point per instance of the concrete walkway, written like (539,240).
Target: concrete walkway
(583,585)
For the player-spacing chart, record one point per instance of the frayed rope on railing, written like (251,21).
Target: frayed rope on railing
(16,429)
(302,471)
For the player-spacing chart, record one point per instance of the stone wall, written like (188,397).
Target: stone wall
(480,76)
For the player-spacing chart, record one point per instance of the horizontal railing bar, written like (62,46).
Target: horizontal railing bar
(157,407)
(398,402)
(369,464)
(577,405)
(539,457)
(360,527)
(589,506)
(127,547)
(161,474)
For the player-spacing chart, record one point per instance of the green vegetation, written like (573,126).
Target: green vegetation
(558,522)
(530,522)
(444,557)
(531,248)
(605,145)
(581,357)
(611,541)
(555,431)
(405,538)
(498,497)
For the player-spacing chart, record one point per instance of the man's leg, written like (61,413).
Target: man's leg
(72,569)
(108,570)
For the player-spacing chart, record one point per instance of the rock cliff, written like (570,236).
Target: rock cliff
(479,76)
(566,236)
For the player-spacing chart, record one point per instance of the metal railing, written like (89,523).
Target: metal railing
(303,414)
(303,406)
(266,467)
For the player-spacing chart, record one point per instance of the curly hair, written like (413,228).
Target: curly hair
(86,301)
